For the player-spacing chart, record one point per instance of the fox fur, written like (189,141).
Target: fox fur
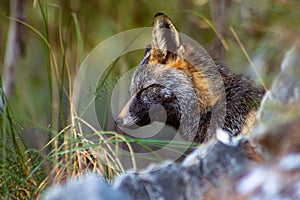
(198,94)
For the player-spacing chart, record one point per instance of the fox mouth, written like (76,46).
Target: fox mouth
(154,114)
(133,123)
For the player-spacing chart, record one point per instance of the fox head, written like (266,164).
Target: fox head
(176,77)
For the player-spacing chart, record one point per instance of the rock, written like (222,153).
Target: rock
(279,179)
(201,170)
(282,102)
(281,138)
(280,108)
(90,187)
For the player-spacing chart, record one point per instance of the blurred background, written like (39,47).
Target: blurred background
(54,36)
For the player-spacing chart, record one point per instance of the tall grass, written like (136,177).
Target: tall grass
(25,172)
(68,152)
(20,171)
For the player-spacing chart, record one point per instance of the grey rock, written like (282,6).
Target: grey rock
(90,187)
(282,100)
(203,169)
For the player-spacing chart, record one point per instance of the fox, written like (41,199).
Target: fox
(198,94)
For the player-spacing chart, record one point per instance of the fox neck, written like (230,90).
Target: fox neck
(234,111)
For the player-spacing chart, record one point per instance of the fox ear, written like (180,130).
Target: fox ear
(165,37)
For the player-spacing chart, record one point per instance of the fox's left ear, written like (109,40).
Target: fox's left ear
(165,38)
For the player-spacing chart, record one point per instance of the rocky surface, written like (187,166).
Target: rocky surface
(282,102)
(90,187)
(203,169)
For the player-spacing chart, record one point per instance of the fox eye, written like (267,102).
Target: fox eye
(145,96)
(145,99)
(154,93)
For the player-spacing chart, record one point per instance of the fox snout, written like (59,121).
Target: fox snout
(152,103)
(122,119)
(128,119)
